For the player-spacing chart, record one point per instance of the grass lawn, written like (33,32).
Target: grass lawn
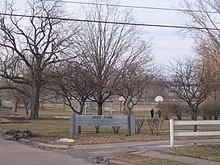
(141,160)
(209,152)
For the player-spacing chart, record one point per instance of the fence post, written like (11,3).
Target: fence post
(171,133)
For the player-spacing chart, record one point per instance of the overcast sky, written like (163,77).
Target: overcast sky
(168,43)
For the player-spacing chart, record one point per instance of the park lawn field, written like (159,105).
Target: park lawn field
(52,128)
(209,152)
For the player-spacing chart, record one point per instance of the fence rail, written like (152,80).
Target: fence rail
(187,133)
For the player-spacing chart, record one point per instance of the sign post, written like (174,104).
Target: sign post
(72,125)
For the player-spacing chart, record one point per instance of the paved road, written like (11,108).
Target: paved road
(14,153)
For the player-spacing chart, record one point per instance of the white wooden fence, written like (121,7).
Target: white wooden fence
(185,133)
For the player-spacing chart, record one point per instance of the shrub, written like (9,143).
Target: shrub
(210,109)
(139,122)
(172,108)
(155,125)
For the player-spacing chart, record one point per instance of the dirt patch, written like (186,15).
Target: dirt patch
(17,134)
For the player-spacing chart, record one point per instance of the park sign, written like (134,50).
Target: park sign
(100,120)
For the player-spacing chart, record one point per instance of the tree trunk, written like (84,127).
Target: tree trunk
(34,109)
(99,112)
(79,129)
(195,119)
(35,101)
(26,110)
(26,107)
(15,105)
(82,105)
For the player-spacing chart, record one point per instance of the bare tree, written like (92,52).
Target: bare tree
(17,97)
(70,80)
(103,45)
(31,44)
(191,82)
(137,74)
(203,17)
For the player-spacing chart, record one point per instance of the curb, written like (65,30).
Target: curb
(43,145)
